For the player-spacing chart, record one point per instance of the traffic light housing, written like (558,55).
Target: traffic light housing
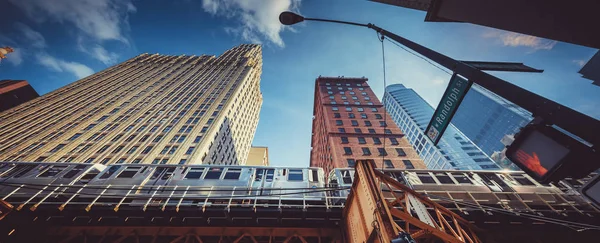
(547,154)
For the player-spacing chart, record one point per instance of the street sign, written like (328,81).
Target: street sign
(454,94)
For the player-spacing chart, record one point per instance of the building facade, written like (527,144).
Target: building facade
(454,150)
(486,118)
(14,93)
(258,156)
(349,124)
(157,109)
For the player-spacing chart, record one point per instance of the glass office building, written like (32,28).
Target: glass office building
(454,151)
(487,118)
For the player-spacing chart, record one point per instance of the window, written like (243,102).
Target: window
(213,173)
(360,109)
(52,171)
(117,149)
(368,123)
(347,151)
(75,136)
(362,140)
(167,128)
(181,138)
(89,160)
(357,130)
(295,175)
(136,161)
(344,140)
(400,152)
(182,161)
(376,140)
(129,172)
(374,109)
(344,97)
(116,138)
(341,130)
(354,98)
(334,108)
(232,174)
(336,115)
(157,138)
(190,150)
(388,164)
(350,115)
(89,127)
(194,173)
(371,130)
(444,178)
(394,141)
(197,139)
(105,161)
(366,151)
(130,138)
(103,148)
(348,108)
(387,131)
(133,149)
(408,164)
(382,124)
(329,92)
(426,178)
(57,148)
(351,162)
(173,149)
(144,138)
(382,152)
(74,171)
(523,180)
(147,150)
(339,122)
(354,123)
(378,116)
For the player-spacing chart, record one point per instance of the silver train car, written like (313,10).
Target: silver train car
(159,185)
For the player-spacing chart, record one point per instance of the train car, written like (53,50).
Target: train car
(23,178)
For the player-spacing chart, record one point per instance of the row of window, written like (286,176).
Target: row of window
(386,163)
(355,123)
(358,130)
(362,115)
(363,140)
(367,151)
(340,84)
(335,108)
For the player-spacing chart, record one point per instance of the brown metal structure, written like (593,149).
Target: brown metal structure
(369,217)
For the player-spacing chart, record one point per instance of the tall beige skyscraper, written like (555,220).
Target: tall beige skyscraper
(152,108)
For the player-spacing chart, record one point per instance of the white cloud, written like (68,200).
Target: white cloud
(580,63)
(35,38)
(97,52)
(256,19)
(516,39)
(55,64)
(100,19)
(16,57)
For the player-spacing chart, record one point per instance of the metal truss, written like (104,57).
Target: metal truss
(369,216)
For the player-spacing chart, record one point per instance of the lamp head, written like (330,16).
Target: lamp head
(290,18)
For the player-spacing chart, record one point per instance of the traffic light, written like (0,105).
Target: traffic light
(591,191)
(547,154)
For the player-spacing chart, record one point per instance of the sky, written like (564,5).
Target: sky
(60,41)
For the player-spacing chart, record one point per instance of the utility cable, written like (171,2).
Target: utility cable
(381,38)
(419,56)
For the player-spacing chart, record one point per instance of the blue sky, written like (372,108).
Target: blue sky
(59,41)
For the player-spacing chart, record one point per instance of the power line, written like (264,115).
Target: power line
(419,56)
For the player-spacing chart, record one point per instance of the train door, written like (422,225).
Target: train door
(263,178)
(495,183)
(161,177)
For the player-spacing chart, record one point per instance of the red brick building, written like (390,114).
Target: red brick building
(14,93)
(349,125)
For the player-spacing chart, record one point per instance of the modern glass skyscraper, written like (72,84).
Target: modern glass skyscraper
(157,109)
(454,150)
(486,118)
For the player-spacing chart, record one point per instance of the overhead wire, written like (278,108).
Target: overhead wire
(419,56)
(381,38)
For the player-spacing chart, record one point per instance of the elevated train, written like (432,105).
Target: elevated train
(168,186)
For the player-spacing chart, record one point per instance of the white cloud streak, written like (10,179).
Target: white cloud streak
(580,63)
(77,69)
(257,19)
(16,57)
(35,38)
(515,40)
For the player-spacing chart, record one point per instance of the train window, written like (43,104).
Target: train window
(19,170)
(444,178)
(270,174)
(258,174)
(194,173)
(214,173)
(315,175)
(523,180)
(426,178)
(74,171)
(295,175)
(232,174)
(346,178)
(461,178)
(111,170)
(91,174)
(52,171)
(129,172)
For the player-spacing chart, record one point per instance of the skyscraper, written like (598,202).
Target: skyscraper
(157,109)
(350,123)
(14,93)
(486,118)
(454,150)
